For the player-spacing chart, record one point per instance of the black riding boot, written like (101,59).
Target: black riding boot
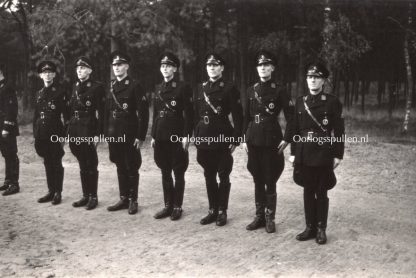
(58,184)
(49,181)
(270,213)
(12,176)
(122,185)
(224,194)
(93,187)
(322,217)
(84,200)
(134,190)
(309,203)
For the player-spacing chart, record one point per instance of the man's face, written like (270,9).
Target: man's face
(214,70)
(167,70)
(315,83)
(265,70)
(83,73)
(47,76)
(120,69)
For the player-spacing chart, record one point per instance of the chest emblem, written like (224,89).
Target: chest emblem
(271,105)
(53,106)
(173,103)
(125,105)
(88,103)
(325,121)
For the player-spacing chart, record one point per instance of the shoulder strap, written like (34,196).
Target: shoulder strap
(312,116)
(163,101)
(210,104)
(114,97)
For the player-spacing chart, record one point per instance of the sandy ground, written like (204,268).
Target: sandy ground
(371,230)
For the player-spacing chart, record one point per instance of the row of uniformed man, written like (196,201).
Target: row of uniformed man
(124,112)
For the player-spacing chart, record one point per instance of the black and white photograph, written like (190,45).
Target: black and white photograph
(207,138)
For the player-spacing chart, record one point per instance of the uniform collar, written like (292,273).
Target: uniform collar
(216,81)
(171,82)
(314,98)
(124,80)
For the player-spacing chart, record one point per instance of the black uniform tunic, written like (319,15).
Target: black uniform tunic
(214,102)
(8,122)
(172,120)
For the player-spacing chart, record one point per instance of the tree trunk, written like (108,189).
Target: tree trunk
(408,73)
(300,84)
(242,35)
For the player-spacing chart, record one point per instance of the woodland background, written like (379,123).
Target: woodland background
(369,45)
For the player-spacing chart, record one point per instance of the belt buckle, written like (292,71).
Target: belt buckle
(161,114)
(257,119)
(310,135)
(206,120)
(114,114)
(76,114)
(42,115)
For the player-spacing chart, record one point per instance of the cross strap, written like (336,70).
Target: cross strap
(164,102)
(114,97)
(256,96)
(312,116)
(210,104)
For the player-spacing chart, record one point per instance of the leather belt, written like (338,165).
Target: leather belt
(207,119)
(118,114)
(164,113)
(258,118)
(81,114)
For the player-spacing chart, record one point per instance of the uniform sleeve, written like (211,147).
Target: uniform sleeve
(339,129)
(237,113)
(188,110)
(35,115)
(100,98)
(247,116)
(295,127)
(288,111)
(142,105)
(154,114)
(66,110)
(11,108)
(196,108)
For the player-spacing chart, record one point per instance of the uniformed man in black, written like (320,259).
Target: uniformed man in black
(48,125)
(214,100)
(86,103)
(172,125)
(126,116)
(264,139)
(317,116)
(9,131)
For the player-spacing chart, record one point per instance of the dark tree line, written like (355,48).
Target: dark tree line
(368,45)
